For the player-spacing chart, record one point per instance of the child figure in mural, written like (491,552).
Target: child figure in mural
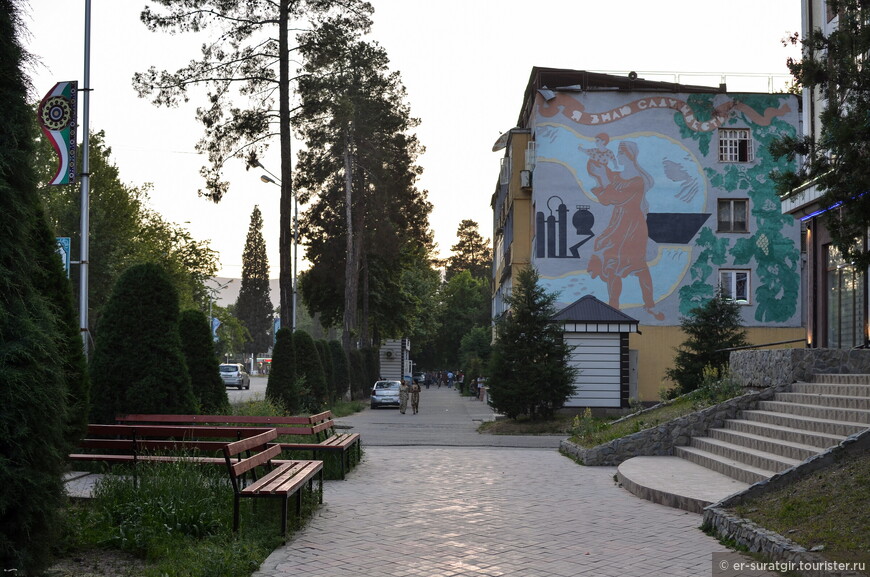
(599,157)
(620,249)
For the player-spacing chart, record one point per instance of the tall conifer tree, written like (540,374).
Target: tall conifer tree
(253,306)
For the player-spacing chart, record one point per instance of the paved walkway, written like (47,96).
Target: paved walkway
(434,498)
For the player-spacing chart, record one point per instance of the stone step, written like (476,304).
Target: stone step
(814,439)
(825,426)
(729,467)
(843,379)
(781,447)
(816,412)
(756,458)
(847,390)
(836,401)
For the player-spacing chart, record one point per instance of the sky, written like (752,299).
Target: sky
(465,64)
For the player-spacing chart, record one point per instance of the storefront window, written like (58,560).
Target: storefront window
(845,302)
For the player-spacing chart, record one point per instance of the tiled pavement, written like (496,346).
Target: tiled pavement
(457,507)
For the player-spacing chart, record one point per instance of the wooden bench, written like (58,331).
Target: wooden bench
(130,444)
(243,450)
(283,479)
(320,426)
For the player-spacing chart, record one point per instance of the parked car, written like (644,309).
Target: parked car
(235,375)
(385,394)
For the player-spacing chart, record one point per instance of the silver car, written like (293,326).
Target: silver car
(385,394)
(235,375)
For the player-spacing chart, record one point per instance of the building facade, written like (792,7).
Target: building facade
(648,196)
(836,296)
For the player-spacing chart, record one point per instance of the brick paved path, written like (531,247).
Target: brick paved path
(433,511)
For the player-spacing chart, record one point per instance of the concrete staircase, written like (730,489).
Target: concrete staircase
(771,438)
(781,433)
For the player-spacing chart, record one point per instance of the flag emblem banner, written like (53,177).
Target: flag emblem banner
(58,120)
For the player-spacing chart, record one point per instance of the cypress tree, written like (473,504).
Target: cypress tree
(309,367)
(202,364)
(41,360)
(138,366)
(253,307)
(341,370)
(283,387)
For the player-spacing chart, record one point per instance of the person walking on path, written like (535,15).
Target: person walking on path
(415,398)
(404,391)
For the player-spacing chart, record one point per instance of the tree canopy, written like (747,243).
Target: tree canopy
(835,160)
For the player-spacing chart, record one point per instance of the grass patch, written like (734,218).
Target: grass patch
(827,509)
(177,521)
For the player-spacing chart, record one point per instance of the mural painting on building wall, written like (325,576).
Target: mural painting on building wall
(623,200)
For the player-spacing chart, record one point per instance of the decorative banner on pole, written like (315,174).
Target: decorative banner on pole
(63,250)
(215,323)
(57,115)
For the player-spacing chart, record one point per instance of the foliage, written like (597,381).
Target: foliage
(462,307)
(283,388)
(530,371)
(253,307)
(231,333)
(40,355)
(202,364)
(710,329)
(341,371)
(834,160)
(328,368)
(242,71)
(471,252)
(123,230)
(137,365)
(179,519)
(309,367)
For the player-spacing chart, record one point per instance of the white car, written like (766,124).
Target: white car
(235,375)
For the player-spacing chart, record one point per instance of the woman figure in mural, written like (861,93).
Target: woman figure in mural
(620,249)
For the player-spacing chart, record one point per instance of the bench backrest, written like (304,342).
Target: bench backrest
(320,424)
(256,450)
(138,439)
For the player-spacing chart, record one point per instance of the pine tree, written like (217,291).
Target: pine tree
(283,387)
(202,364)
(138,366)
(530,372)
(471,252)
(709,328)
(253,306)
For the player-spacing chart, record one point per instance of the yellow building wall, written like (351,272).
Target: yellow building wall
(657,346)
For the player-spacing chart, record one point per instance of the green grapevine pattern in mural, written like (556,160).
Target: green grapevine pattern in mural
(776,281)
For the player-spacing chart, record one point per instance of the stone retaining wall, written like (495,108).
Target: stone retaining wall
(765,368)
(759,540)
(661,439)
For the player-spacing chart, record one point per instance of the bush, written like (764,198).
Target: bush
(202,364)
(138,366)
(283,388)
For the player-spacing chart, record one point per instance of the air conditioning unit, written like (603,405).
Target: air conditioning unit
(389,354)
(525,179)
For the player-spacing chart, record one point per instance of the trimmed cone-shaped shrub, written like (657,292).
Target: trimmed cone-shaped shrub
(283,387)
(138,366)
(309,367)
(202,364)
(341,374)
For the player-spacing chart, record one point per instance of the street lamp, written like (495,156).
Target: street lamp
(272,179)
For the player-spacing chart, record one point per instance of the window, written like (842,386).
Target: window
(732,215)
(735,145)
(735,285)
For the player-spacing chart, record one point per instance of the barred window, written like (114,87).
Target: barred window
(735,145)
